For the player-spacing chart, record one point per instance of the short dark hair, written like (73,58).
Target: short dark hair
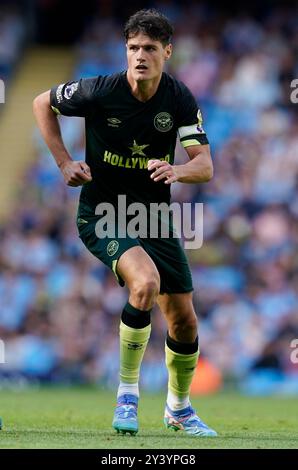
(150,22)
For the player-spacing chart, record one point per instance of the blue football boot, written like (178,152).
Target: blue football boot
(188,421)
(125,417)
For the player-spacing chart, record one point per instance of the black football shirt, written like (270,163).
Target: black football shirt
(123,133)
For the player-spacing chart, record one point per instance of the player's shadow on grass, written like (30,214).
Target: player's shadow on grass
(167,436)
(261,437)
(223,436)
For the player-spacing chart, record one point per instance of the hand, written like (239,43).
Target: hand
(163,170)
(75,173)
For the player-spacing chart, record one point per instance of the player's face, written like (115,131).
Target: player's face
(146,57)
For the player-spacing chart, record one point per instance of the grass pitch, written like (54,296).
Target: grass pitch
(81,418)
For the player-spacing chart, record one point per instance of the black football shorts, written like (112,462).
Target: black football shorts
(166,253)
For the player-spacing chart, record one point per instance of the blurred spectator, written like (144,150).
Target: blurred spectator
(60,306)
(12,34)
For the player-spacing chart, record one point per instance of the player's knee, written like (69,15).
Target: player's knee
(145,291)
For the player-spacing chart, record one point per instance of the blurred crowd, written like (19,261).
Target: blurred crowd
(12,34)
(60,307)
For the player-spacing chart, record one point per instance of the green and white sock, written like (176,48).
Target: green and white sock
(135,329)
(132,389)
(181,369)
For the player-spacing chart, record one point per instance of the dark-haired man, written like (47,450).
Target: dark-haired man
(132,120)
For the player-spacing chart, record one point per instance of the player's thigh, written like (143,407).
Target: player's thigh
(136,267)
(172,264)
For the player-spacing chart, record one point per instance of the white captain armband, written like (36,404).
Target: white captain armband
(193,134)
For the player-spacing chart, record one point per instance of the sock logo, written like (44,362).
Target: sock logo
(134,346)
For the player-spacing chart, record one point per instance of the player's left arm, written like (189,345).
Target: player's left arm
(198,170)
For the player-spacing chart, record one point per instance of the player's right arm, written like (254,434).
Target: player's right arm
(75,173)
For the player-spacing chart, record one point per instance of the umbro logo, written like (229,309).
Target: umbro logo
(135,346)
(113,122)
